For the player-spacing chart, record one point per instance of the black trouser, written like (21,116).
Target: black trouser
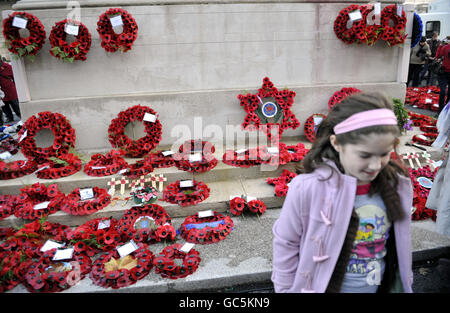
(413,74)
(14,105)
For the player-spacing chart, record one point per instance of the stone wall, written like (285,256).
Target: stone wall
(192,60)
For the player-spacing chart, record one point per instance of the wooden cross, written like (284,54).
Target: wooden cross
(133,185)
(416,157)
(141,181)
(122,183)
(407,157)
(112,184)
(152,179)
(161,180)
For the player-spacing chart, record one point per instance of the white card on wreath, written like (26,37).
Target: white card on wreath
(206,213)
(355,15)
(19,22)
(63,254)
(317,120)
(428,101)
(86,193)
(127,248)
(148,117)
(5,155)
(116,21)
(104,224)
(167,153)
(186,183)
(240,151)
(41,206)
(250,198)
(23,136)
(196,157)
(187,247)
(50,244)
(72,29)
(399,10)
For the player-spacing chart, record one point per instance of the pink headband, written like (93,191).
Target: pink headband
(366,119)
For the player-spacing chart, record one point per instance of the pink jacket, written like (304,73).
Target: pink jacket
(310,232)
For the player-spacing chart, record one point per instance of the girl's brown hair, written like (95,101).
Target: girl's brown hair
(387,180)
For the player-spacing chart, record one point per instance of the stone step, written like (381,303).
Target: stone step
(244,257)
(222,172)
(218,200)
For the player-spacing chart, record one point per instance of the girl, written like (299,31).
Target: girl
(345,223)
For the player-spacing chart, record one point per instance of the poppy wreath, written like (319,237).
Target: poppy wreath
(32,236)
(297,152)
(61,128)
(139,168)
(45,275)
(165,262)
(68,52)
(29,46)
(429,129)
(282,157)
(372,33)
(426,98)
(146,224)
(356,33)
(173,193)
(281,182)
(206,230)
(142,146)
(238,205)
(253,120)
(90,239)
(75,206)
(395,34)
(13,266)
(310,128)
(7,205)
(158,160)
(207,163)
(421,119)
(10,145)
(111,41)
(62,166)
(340,95)
(105,165)
(247,159)
(35,194)
(16,169)
(425,139)
(421,193)
(110,270)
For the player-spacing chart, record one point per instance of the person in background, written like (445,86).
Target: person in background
(10,100)
(443,52)
(434,43)
(418,56)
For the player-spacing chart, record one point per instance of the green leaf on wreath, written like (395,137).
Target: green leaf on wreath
(31,58)
(21,51)
(56,50)
(29,48)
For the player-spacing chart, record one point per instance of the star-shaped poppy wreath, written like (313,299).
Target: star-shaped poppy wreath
(268,108)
